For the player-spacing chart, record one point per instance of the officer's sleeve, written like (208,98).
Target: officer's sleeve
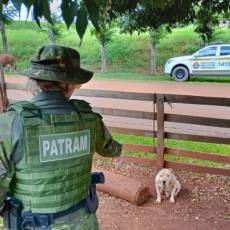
(5,174)
(105,144)
(6,164)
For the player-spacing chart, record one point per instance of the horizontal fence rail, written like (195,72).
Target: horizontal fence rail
(159,131)
(115,94)
(196,120)
(197,100)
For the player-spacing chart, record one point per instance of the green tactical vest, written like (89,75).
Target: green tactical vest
(54,173)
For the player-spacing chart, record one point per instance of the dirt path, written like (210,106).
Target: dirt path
(187,88)
(202,204)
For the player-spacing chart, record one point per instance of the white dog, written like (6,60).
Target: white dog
(166,182)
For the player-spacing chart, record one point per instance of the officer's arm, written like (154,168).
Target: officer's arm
(6,148)
(6,173)
(105,144)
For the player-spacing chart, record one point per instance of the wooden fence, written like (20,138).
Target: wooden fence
(161,134)
(160,117)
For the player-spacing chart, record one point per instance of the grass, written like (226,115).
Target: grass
(158,78)
(131,77)
(126,53)
(219,149)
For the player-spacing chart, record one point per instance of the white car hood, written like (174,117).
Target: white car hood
(182,58)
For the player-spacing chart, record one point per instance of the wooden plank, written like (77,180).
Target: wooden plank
(206,121)
(135,160)
(14,86)
(139,148)
(3,94)
(128,131)
(114,94)
(160,132)
(198,138)
(217,101)
(198,155)
(197,168)
(124,113)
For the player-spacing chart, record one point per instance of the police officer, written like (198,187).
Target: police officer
(46,148)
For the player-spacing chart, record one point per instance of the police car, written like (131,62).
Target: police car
(213,60)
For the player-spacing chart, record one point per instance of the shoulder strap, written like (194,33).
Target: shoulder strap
(6,147)
(82,106)
(29,113)
(21,106)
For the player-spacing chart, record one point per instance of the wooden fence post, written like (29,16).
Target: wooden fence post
(3,94)
(160,132)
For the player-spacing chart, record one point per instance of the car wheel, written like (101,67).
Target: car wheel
(180,73)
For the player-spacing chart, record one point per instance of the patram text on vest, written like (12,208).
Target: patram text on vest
(60,146)
(65,145)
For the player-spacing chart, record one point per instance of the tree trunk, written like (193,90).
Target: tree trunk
(152,52)
(103,56)
(3,93)
(4,38)
(124,187)
(51,34)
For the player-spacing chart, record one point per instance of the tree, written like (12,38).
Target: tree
(156,20)
(79,11)
(7,15)
(104,36)
(155,36)
(54,29)
(157,11)
(207,17)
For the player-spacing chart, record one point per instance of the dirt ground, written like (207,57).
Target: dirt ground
(204,201)
(202,204)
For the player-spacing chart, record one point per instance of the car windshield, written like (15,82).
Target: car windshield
(225,50)
(207,52)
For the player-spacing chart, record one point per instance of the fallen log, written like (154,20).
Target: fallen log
(124,187)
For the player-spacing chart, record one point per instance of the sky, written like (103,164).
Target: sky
(54,7)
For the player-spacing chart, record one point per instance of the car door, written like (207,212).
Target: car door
(204,62)
(223,61)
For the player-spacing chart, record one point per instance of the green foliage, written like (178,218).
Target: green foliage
(28,3)
(8,14)
(41,8)
(208,16)
(93,7)
(126,53)
(17,4)
(141,14)
(81,22)
(69,11)
(105,34)
(184,145)
(157,34)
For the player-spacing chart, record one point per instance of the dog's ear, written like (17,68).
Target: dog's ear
(171,171)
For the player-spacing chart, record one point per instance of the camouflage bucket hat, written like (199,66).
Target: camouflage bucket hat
(58,63)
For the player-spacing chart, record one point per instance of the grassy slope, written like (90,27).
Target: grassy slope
(126,53)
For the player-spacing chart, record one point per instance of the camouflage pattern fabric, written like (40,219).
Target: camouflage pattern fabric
(58,63)
(6,166)
(79,220)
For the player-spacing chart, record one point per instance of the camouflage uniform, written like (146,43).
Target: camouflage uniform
(58,64)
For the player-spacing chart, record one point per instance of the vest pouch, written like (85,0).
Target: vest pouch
(91,201)
(12,215)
